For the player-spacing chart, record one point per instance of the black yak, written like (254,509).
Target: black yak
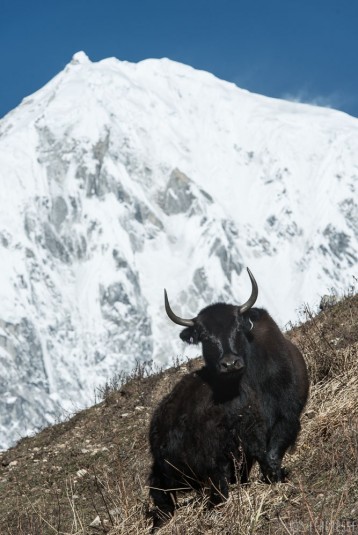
(242,406)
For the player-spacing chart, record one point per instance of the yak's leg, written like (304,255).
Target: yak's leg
(219,492)
(219,486)
(282,436)
(240,468)
(164,502)
(254,446)
(163,496)
(247,462)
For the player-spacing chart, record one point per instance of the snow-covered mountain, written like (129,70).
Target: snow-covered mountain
(120,179)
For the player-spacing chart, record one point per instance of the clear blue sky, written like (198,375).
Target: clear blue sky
(298,49)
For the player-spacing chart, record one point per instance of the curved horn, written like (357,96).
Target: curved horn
(174,317)
(254,293)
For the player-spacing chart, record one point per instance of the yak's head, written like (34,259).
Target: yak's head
(222,330)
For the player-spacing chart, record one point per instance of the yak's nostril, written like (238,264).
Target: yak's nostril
(227,365)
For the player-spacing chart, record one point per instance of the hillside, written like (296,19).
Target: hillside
(119,179)
(92,469)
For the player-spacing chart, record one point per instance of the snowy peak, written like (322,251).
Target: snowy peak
(80,58)
(120,179)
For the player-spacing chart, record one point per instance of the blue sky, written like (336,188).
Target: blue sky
(303,50)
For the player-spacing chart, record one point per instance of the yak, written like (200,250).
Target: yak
(242,406)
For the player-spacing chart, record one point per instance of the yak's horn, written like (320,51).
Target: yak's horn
(254,293)
(174,317)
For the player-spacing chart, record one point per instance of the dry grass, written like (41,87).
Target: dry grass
(93,468)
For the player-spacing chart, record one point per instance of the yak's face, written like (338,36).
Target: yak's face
(222,333)
(222,330)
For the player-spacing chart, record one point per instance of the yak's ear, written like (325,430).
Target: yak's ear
(190,335)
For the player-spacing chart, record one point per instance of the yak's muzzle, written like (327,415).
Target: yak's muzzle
(230,363)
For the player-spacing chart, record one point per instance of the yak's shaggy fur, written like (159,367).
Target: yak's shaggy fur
(243,406)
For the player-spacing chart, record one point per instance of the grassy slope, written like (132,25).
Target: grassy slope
(94,467)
